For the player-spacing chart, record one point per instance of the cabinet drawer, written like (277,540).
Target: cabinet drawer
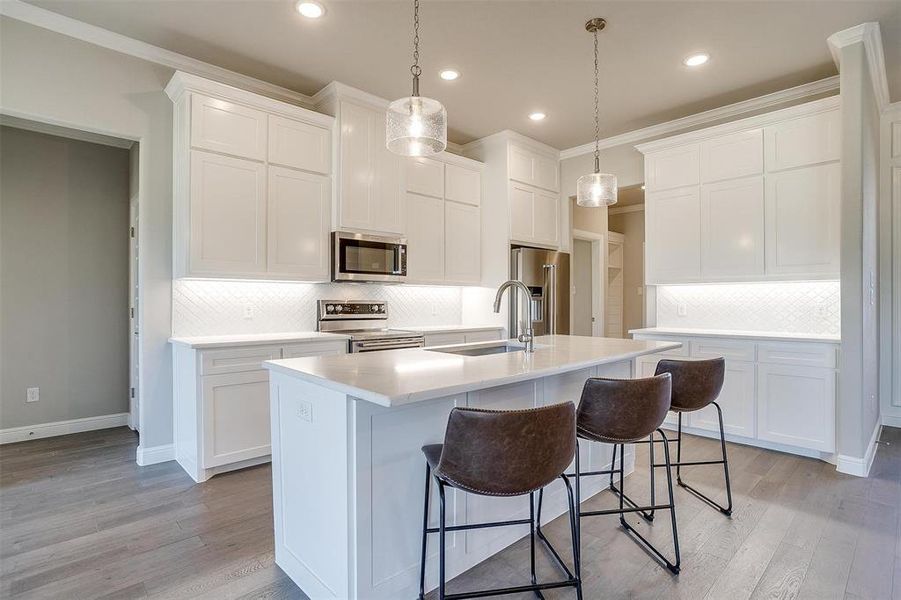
(228,128)
(299,145)
(444,339)
(482,336)
(796,353)
(728,349)
(316,349)
(236,360)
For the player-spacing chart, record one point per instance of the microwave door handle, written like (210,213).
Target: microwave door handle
(398,258)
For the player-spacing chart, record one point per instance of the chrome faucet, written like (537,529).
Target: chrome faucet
(525,325)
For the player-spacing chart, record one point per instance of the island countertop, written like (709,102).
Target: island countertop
(398,377)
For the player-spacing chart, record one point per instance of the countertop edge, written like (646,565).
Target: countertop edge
(236,341)
(403,399)
(749,335)
(452,328)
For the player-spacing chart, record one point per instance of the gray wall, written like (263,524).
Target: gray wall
(582,287)
(63,278)
(106,92)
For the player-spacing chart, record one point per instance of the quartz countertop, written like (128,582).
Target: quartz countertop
(255,339)
(398,377)
(451,328)
(740,334)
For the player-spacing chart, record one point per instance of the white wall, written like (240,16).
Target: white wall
(107,92)
(63,278)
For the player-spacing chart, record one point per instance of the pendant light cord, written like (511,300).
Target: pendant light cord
(597,121)
(416,70)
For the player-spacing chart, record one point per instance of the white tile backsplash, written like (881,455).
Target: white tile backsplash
(789,307)
(216,307)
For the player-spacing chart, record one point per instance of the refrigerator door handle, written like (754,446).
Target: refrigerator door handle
(550,298)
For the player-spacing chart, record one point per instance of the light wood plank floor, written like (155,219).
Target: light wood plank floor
(79,520)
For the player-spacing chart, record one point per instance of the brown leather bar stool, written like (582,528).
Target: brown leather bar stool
(502,453)
(619,412)
(696,385)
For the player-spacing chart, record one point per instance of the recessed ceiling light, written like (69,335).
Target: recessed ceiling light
(449,74)
(537,116)
(696,60)
(310,9)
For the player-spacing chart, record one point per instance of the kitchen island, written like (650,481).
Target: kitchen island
(348,473)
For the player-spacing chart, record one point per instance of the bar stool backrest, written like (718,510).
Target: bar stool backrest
(623,410)
(696,383)
(507,452)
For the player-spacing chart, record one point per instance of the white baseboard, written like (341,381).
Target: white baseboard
(155,454)
(45,430)
(891,420)
(852,465)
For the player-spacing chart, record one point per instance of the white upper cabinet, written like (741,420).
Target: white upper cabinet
(677,167)
(534,215)
(732,156)
(732,226)
(769,189)
(546,227)
(522,219)
(425,239)
(673,245)
(803,220)
(228,215)
(370,194)
(228,128)
(534,168)
(801,141)
(463,253)
(299,145)
(424,176)
(462,185)
(298,216)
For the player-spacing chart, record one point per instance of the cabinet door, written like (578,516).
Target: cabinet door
(522,218)
(545,211)
(425,239)
(463,243)
(235,417)
(804,141)
(802,221)
(546,172)
(732,241)
(673,229)
(388,196)
(732,156)
(796,406)
(676,167)
(299,145)
(737,401)
(228,215)
(298,230)
(228,128)
(462,185)
(424,176)
(533,168)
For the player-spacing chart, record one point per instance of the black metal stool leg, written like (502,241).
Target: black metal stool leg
(425,526)
(534,577)
(619,491)
(650,515)
(674,567)
(679,451)
(728,510)
(575,524)
(441,540)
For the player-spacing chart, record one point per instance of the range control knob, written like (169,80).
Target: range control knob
(375,307)
(329,308)
(338,308)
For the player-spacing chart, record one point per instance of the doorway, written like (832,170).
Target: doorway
(587,284)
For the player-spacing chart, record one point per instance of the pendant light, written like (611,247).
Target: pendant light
(596,189)
(416,125)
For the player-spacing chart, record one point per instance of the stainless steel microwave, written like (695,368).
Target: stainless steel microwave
(362,257)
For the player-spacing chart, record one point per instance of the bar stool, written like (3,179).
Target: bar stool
(502,453)
(696,385)
(619,412)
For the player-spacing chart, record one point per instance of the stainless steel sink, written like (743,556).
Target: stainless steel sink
(481,349)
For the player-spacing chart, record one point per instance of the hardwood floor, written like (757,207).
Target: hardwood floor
(79,520)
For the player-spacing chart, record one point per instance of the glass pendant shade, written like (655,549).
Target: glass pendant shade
(596,189)
(416,126)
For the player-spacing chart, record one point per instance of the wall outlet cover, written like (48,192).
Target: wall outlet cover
(32,394)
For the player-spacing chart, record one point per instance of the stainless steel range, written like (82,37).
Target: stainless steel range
(364,321)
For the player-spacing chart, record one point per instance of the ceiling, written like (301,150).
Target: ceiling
(516,57)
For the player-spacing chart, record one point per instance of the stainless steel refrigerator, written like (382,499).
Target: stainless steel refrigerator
(546,274)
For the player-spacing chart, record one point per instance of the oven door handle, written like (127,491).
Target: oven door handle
(389,344)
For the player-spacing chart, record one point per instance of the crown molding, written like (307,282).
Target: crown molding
(22,121)
(800,92)
(870,35)
(508,135)
(39,17)
(336,90)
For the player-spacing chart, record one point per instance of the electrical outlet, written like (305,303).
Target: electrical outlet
(640,290)
(32,394)
(248,312)
(305,411)
(681,309)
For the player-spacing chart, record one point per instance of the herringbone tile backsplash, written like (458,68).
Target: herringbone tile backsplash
(208,307)
(812,307)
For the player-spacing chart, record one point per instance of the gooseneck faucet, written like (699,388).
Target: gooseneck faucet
(525,325)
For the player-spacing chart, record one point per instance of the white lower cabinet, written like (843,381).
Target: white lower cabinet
(786,403)
(222,403)
(450,337)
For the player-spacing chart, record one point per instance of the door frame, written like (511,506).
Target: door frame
(598,290)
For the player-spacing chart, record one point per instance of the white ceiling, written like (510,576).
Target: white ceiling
(515,56)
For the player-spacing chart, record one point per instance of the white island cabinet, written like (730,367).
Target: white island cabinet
(348,471)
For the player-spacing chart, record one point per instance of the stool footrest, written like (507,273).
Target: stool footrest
(481,525)
(617,511)
(512,590)
(691,463)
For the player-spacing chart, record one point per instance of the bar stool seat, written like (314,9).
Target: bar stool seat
(502,453)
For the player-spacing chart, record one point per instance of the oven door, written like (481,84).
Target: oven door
(361,257)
